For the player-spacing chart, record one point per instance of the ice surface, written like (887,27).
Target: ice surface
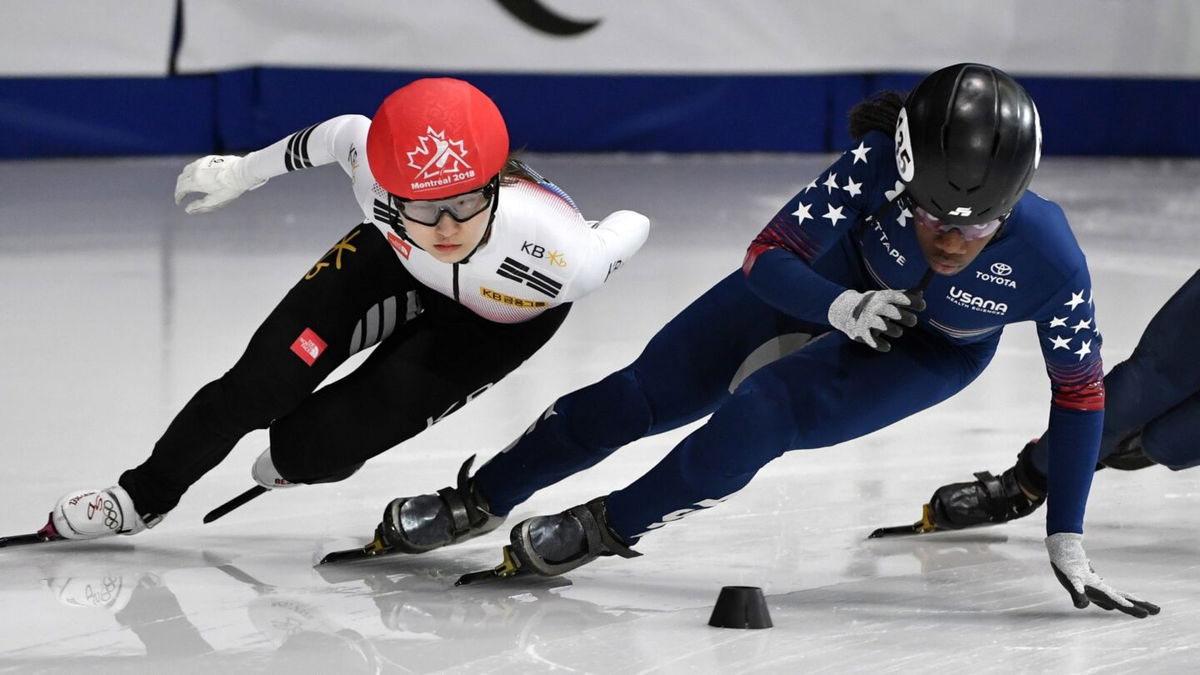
(115,307)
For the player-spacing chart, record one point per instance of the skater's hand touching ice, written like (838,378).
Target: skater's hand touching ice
(1075,573)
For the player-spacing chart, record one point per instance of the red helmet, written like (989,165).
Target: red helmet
(435,138)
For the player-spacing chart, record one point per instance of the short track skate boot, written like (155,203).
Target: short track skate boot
(552,545)
(1129,455)
(88,514)
(266,475)
(1018,492)
(423,523)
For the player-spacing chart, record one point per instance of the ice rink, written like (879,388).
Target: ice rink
(115,307)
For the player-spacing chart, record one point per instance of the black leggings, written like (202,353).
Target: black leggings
(434,355)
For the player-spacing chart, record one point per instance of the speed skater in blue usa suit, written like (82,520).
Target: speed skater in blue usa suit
(1152,416)
(888,280)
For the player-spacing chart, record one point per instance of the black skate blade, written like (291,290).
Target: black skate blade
(507,569)
(922,526)
(374,549)
(47,533)
(21,539)
(897,531)
(234,503)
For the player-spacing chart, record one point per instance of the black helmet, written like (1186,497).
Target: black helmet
(967,143)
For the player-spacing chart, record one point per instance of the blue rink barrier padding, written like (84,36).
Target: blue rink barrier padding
(71,117)
(246,109)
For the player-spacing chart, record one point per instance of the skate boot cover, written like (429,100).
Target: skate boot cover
(552,545)
(1016,493)
(423,523)
(88,514)
(265,474)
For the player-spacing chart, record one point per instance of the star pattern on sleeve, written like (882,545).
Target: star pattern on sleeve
(834,214)
(810,186)
(1082,324)
(1084,350)
(802,213)
(1076,300)
(855,189)
(860,153)
(1058,322)
(1061,342)
(831,183)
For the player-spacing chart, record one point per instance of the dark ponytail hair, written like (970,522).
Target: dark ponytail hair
(516,169)
(876,113)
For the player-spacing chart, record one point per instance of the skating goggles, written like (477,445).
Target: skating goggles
(968,232)
(461,207)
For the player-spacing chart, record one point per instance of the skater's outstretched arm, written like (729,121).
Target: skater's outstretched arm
(223,178)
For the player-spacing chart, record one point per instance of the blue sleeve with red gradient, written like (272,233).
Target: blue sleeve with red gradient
(1070,344)
(778,264)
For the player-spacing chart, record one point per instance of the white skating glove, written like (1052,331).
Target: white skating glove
(87,514)
(222,178)
(869,317)
(1075,573)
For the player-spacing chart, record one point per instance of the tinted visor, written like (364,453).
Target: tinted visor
(461,207)
(968,232)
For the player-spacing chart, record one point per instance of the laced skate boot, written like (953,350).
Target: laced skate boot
(1129,455)
(1018,492)
(423,523)
(552,545)
(88,514)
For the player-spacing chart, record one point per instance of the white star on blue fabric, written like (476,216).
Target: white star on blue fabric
(1057,322)
(831,183)
(1082,324)
(1075,301)
(904,217)
(855,189)
(801,212)
(1060,342)
(1084,350)
(834,215)
(810,186)
(860,153)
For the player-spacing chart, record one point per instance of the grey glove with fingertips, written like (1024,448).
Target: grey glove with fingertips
(1074,571)
(870,316)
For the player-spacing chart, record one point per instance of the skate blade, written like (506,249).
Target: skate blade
(234,503)
(47,533)
(922,526)
(506,569)
(375,548)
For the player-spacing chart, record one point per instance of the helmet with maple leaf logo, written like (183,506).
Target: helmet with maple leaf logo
(968,141)
(436,138)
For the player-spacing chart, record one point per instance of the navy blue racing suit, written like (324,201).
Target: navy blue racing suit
(757,353)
